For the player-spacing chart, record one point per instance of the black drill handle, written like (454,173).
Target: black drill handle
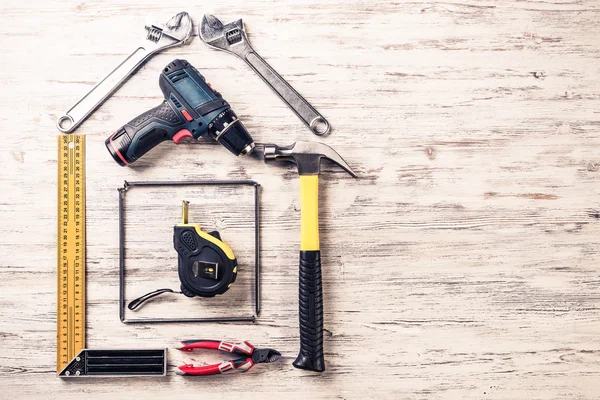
(145,132)
(311,313)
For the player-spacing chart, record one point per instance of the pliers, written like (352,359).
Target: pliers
(250,356)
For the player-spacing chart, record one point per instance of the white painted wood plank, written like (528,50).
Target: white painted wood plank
(464,263)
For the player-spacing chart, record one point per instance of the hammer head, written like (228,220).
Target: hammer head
(306,155)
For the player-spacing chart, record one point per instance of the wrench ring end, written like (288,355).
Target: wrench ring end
(63,125)
(319,126)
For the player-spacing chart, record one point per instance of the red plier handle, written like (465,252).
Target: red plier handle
(242,364)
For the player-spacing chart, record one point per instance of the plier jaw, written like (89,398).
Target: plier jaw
(250,354)
(265,356)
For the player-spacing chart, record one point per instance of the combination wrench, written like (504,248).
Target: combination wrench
(175,32)
(232,39)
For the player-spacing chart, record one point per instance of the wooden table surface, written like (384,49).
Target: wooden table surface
(464,263)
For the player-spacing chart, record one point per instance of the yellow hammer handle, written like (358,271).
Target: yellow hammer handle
(309,212)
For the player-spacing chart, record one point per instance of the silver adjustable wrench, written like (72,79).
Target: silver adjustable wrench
(175,32)
(232,39)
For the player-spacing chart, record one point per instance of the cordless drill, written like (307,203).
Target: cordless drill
(191,109)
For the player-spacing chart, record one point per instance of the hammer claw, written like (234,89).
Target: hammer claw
(306,155)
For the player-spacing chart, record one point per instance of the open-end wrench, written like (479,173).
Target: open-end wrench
(175,32)
(232,39)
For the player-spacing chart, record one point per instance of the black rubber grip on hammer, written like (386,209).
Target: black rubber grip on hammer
(311,313)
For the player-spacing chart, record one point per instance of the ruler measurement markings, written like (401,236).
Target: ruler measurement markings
(71,249)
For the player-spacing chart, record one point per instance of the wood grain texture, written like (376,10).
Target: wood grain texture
(463,264)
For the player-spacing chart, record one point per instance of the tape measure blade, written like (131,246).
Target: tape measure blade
(70,315)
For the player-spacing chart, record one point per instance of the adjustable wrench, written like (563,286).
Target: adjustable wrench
(232,39)
(175,32)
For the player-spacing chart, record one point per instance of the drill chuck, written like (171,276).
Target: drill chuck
(228,130)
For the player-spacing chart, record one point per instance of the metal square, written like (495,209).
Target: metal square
(127,186)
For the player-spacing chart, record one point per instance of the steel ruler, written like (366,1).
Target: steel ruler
(70,304)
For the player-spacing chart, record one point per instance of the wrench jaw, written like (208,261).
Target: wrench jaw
(175,32)
(230,38)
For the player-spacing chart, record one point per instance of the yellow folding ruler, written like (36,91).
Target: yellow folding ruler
(70,304)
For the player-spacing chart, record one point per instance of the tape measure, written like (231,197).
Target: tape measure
(70,305)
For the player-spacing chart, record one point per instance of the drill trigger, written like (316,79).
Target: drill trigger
(182,134)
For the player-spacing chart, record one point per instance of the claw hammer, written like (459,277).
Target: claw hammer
(307,156)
